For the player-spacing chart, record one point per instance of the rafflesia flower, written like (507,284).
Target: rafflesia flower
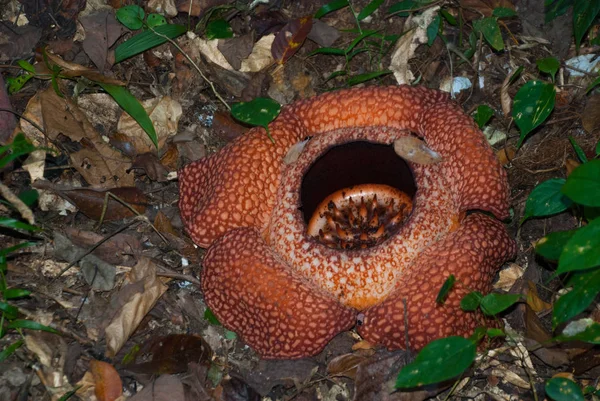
(328,227)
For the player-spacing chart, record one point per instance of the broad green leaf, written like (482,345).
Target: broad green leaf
(471,301)
(13,293)
(483,114)
(26,65)
(493,333)
(8,351)
(556,8)
(583,184)
(580,153)
(503,12)
(218,29)
(131,16)
(586,285)
(446,287)
(403,8)
(562,389)
(133,107)
(15,84)
(369,9)
(433,29)
(155,20)
(18,147)
(491,32)
(29,196)
(584,13)
(260,111)
(492,304)
(551,246)
(549,65)
(440,360)
(360,78)
(16,224)
(582,251)
(592,86)
(449,17)
(9,311)
(210,316)
(147,40)
(533,103)
(478,335)
(30,325)
(586,330)
(331,6)
(546,199)
(591,213)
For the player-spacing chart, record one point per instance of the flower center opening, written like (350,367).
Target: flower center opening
(357,195)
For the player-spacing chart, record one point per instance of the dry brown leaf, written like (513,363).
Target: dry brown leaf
(346,365)
(163,224)
(571,165)
(290,38)
(506,155)
(236,49)
(51,351)
(120,249)
(170,156)
(107,381)
(164,112)
(91,202)
(505,99)
(99,164)
(136,305)
(165,388)
(533,299)
(149,164)
(508,277)
(415,150)
(74,70)
(590,119)
(483,7)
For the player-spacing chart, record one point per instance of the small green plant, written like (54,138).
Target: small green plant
(9,314)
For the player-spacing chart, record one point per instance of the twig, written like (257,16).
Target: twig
(17,203)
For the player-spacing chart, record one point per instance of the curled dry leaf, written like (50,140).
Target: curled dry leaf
(346,365)
(107,381)
(506,155)
(74,70)
(290,38)
(91,201)
(508,277)
(534,300)
(505,99)
(138,298)
(259,59)
(149,164)
(570,165)
(415,150)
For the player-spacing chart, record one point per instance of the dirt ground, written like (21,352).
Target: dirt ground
(126,292)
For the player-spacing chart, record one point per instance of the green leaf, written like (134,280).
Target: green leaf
(328,50)
(471,301)
(8,310)
(446,287)
(9,250)
(584,13)
(403,8)
(260,111)
(358,40)
(440,360)
(30,325)
(15,84)
(26,65)
(503,12)
(492,304)
(493,333)
(18,147)
(13,293)
(583,184)
(331,6)
(131,16)
(433,29)
(133,107)
(369,9)
(562,389)
(586,285)
(546,199)
(515,75)
(360,78)
(29,196)
(147,40)
(155,20)
(556,8)
(491,32)
(483,114)
(449,17)
(552,245)
(582,251)
(16,224)
(592,86)
(478,335)
(533,103)
(585,330)
(580,153)
(549,65)
(218,29)
(8,351)
(210,316)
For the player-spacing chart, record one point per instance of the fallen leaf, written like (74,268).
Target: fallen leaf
(101,32)
(266,22)
(590,118)
(171,354)
(18,42)
(73,70)
(236,49)
(571,165)
(485,7)
(415,150)
(323,34)
(165,7)
(107,381)
(505,98)
(120,249)
(138,299)
(226,127)
(91,201)
(346,365)
(533,299)
(508,277)
(149,164)
(163,223)
(165,388)
(51,352)
(290,38)
(506,155)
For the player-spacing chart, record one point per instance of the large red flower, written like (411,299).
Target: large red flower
(385,233)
